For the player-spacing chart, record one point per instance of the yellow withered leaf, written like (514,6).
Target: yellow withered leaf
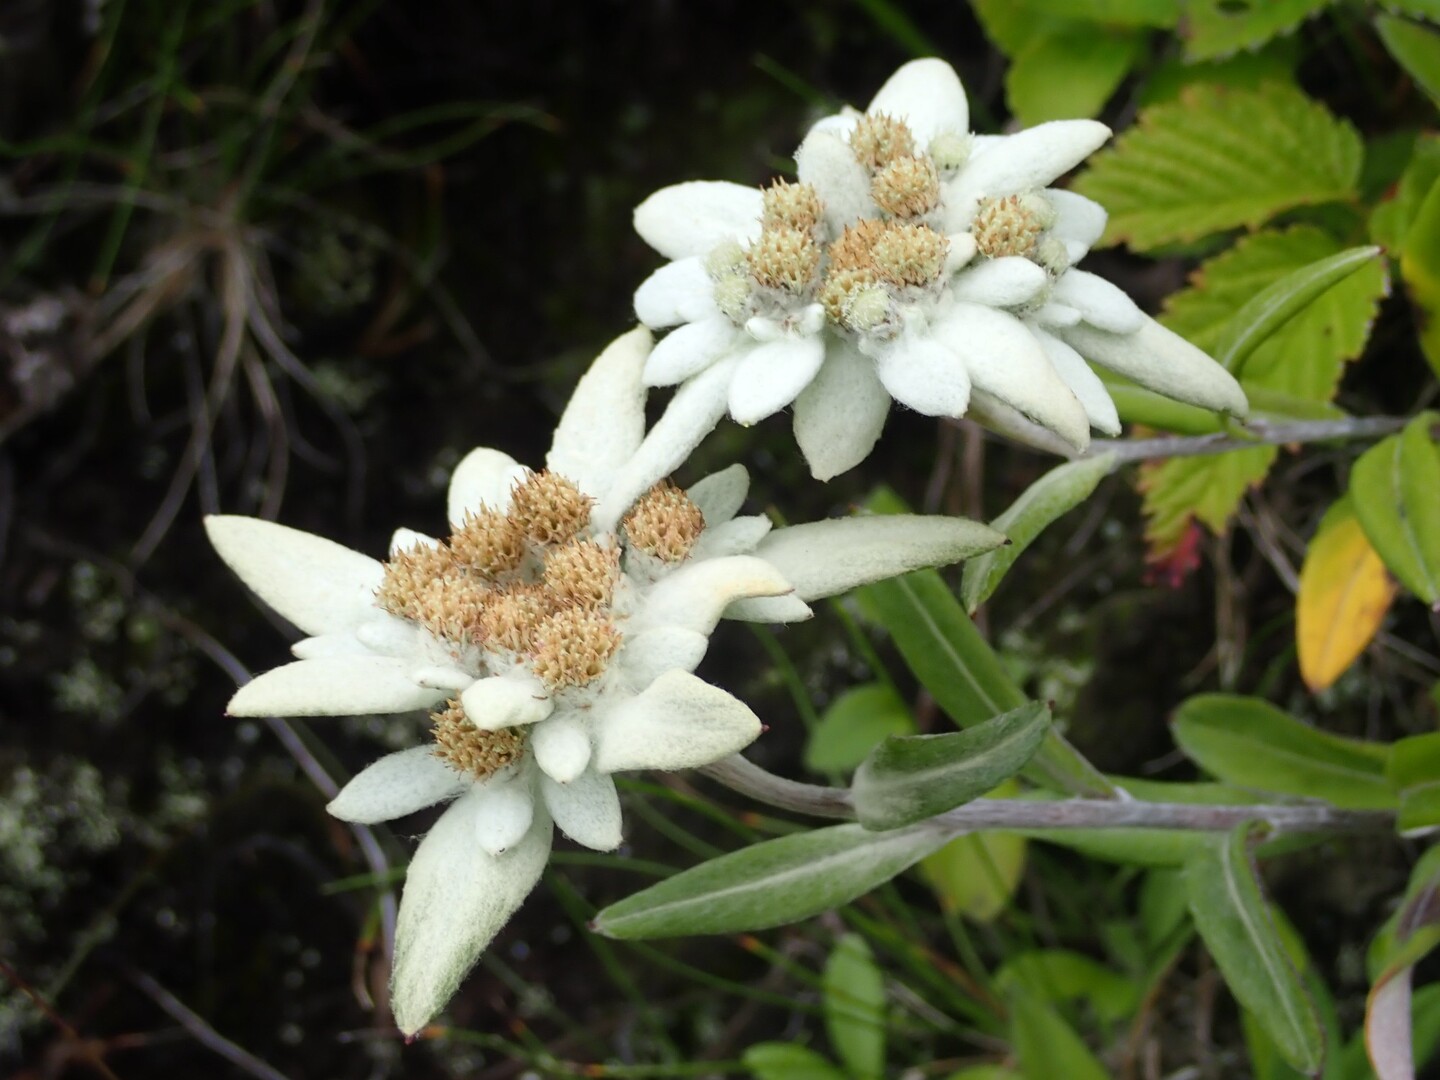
(1344,595)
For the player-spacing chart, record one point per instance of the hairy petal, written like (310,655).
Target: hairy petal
(562,747)
(1083,383)
(823,558)
(693,597)
(771,375)
(1004,360)
(483,478)
(691,218)
(1161,360)
(587,809)
(319,585)
(605,420)
(334,686)
(721,494)
(456,899)
(691,415)
(680,722)
(396,785)
(840,415)
(928,96)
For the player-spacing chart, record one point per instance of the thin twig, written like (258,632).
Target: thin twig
(744,776)
(1256,433)
(202,1032)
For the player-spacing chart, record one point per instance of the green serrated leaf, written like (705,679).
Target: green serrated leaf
(769,884)
(1414,772)
(1056,493)
(1393,488)
(787,1061)
(1205,489)
(1251,744)
(1046,1045)
(1216,28)
(854,1005)
(1070,74)
(958,667)
(852,726)
(1415,48)
(1217,159)
(1231,915)
(910,778)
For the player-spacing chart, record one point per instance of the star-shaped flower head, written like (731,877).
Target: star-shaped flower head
(912,261)
(552,635)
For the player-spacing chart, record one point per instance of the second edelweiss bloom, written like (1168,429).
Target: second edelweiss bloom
(552,634)
(913,261)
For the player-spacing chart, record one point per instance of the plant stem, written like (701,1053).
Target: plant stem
(1256,433)
(744,776)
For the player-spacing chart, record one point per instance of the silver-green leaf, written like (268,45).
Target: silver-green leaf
(908,778)
(1056,493)
(770,884)
(1232,917)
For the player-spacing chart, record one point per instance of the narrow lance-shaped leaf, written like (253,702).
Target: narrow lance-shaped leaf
(1231,915)
(1250,743)
(952,661)
(912,777)
(854,1006)
(1056,493)
(1342,600)
(1393,487)
(1406,938)
(770,884)
(1271,309)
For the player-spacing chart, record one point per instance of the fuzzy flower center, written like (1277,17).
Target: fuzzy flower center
(1019,226)
(529,588)
(470,750)
(664,523)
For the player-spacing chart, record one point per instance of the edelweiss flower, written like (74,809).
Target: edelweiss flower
(553,634)
(912,261)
